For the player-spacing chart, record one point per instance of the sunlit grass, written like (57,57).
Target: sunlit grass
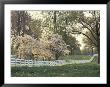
(76,57)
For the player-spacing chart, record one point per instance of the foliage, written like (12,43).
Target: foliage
(92,26)
(22,23)
(22,46)
(28,47)
(53,32)
(58,46)
(19,22)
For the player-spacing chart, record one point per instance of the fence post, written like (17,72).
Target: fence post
(28,62)
(24,63)
(15,61)
(20,61)
(34,62)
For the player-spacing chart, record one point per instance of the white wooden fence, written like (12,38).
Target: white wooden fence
(30,63)
(23,62)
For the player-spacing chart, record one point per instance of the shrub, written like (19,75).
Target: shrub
(28,47)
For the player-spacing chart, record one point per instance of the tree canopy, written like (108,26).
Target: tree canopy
(57,29)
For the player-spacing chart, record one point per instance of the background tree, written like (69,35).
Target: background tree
(88,21)
(62,21)
(58,46)
(35,28)
(22,23)
(91,25)
(66,24)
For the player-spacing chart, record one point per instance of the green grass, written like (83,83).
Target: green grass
(70,70)
(75,57)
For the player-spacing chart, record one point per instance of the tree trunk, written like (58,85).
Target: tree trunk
(23,23)
(98,51)
(92,51)
(56,56)
(54,22)
(18,24)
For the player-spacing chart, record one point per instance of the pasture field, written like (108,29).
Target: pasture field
(69,70)
(75,57)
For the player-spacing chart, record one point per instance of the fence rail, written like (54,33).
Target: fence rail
(24,62)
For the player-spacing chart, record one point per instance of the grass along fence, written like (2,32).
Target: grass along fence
(31,63)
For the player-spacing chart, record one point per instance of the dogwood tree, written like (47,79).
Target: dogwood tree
(28,47)
(58,46)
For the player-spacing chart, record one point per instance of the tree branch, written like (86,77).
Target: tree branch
(88,25)
(86,36)
(89,30)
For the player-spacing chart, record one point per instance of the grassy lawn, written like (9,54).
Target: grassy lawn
(70,70)
(76,57)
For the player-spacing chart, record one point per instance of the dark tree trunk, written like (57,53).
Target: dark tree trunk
(98,48)
(23,22)
(92,51)
(54,22)
(18,23)
(98,39)
(56,56)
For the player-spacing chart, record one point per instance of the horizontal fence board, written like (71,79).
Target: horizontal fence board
(24,62)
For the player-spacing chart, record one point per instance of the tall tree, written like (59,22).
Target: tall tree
(90,24)
(20,22)
(85,21)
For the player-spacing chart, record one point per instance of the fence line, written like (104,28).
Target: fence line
(24,62)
